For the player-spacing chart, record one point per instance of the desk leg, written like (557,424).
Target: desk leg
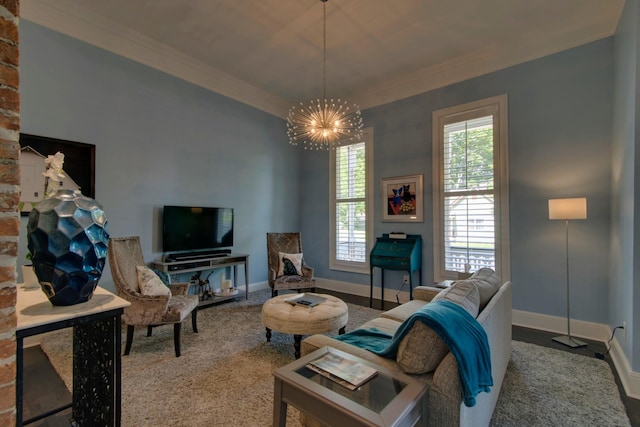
(382,289)
(246,278)
(95,362)
(410,285)
(19,379)
(279,407)
(371,289)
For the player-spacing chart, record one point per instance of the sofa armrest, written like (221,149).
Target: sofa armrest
(425,293)
(307,271)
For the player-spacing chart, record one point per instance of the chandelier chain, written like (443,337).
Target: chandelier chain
(324,124)
(324,49)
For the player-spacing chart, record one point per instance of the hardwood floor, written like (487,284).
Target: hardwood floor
(44,389)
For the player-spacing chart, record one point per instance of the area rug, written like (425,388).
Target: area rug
(224,376)
(549,387)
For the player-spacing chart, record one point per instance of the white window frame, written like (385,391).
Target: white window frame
(498,107)
(334,263)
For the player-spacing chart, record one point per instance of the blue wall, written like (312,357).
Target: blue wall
(159,140)
(625,241)
(559,146)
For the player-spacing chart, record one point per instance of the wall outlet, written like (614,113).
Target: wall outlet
(405,278)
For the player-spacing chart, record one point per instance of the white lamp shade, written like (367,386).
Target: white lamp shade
(575,208)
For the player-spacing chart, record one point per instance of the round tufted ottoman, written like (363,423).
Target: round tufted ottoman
(279,315)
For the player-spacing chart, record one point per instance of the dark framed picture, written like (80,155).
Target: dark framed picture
(402,199)
(79,167)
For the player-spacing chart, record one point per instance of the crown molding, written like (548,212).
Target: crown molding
(83,25)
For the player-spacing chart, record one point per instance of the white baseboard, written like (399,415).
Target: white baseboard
(256,286)
(579,328)
(630,380)
(362,290)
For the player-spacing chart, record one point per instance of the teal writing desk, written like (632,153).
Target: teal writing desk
(396,254)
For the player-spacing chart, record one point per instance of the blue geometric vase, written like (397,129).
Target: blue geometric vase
(67,238)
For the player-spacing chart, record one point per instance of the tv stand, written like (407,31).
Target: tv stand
(212,261)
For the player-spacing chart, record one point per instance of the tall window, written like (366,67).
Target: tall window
(351,199)
(471,188)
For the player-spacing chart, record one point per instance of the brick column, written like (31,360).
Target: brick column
(9,199)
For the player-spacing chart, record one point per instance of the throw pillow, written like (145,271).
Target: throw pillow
(464,293)
(487,282)
(164,276)
(149,282)
(421,350)
(290,264)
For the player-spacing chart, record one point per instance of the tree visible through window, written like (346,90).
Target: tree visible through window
(470,193)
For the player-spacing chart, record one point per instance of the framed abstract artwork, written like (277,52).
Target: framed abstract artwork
(402,199)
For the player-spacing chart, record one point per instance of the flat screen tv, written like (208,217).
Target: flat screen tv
(196,228)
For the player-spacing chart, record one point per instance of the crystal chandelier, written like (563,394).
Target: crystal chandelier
(326,123)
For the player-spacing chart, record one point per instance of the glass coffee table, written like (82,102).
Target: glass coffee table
(390,398)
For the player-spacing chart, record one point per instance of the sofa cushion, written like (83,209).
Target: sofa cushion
(382,324)
(421,350)
(403,311)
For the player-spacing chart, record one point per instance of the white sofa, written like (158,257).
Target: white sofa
(444,403)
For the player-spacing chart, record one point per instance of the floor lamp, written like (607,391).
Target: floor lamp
(567,209)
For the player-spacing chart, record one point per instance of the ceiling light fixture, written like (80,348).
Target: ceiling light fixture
(324,124)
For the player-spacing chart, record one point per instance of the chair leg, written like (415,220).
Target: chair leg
(149,330)
(274,293)
(194,320)
(176,337)
(127,346)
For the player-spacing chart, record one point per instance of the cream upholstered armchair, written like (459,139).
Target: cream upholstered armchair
(287,269)
(151,305)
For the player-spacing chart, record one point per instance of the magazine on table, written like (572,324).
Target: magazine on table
(346,372)
(306,300)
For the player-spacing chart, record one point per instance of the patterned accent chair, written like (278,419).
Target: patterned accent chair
(287,243)
(125,254)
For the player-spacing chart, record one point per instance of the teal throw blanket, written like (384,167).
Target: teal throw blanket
(459,330)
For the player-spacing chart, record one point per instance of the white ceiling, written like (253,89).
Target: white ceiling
(268,53)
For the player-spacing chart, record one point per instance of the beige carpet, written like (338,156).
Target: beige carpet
(548,387)
(223,377)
